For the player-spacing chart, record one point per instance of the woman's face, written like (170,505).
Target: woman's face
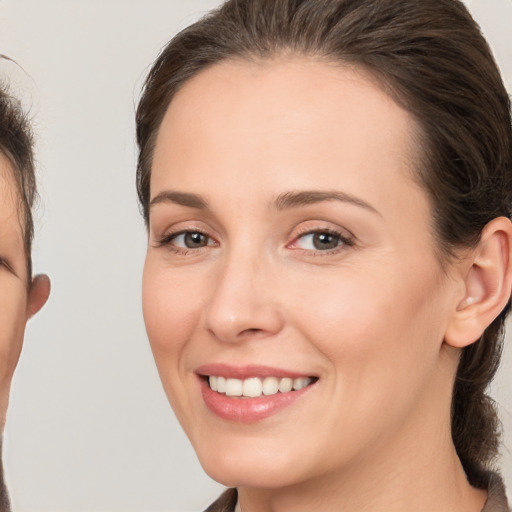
(289,246)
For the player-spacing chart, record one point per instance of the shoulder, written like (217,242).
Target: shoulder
(227,502)
(497,499)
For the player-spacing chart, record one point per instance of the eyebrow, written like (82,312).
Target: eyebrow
(307,197)
(284,201)
(181,198)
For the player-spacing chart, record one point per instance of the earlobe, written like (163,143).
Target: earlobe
(38,294)
(487,285)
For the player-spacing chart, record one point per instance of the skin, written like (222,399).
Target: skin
(369,318)
(18,300)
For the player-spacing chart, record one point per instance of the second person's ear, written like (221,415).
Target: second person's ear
(38,294)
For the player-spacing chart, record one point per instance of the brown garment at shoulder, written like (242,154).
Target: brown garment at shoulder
(225,503)
(496,499)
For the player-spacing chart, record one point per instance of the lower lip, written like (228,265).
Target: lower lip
(248,410)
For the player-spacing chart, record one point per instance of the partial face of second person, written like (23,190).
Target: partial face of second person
(290,244)
(18,298)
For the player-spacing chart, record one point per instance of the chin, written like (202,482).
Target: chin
(240,475)
(250,467)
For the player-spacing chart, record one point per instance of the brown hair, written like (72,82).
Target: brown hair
(430,56)
(16,143)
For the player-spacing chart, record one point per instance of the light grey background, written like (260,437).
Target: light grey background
(89,428)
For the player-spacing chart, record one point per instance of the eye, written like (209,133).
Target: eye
(186,240)
(191,240)
(324,240)
(4,263)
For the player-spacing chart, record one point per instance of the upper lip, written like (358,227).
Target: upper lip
(246,371)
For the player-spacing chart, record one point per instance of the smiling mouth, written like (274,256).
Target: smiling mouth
(255,387)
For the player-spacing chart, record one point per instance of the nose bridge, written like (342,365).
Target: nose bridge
(240,305)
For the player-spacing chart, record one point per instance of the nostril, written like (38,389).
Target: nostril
(250,332)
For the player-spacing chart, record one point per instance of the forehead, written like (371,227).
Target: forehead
(9,193)
(240,114)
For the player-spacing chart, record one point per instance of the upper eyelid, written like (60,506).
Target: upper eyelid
(183,231)
(321,226)
(183,219)
(177,228)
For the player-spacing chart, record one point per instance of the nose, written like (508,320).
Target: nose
(243,303)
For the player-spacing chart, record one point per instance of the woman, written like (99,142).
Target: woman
(327,188)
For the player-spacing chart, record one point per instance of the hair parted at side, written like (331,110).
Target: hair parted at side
(16,144)
(431,57)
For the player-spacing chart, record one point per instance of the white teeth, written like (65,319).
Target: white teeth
(254,387)
(234,387)
(300,383)
(286,385)
(221,384)
(270,386)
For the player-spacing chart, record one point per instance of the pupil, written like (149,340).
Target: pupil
(193,240)
(325,241)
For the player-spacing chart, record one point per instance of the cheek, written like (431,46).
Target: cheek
(170,308)
(171,304)
(379,335)
(12,327)
(368,323)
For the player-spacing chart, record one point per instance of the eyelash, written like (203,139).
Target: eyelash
(4,263)
(166,241)
(343,241)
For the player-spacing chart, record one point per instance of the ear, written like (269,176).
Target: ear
(38,294)
(487,285)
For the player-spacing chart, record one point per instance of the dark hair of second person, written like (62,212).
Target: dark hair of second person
(21,294)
